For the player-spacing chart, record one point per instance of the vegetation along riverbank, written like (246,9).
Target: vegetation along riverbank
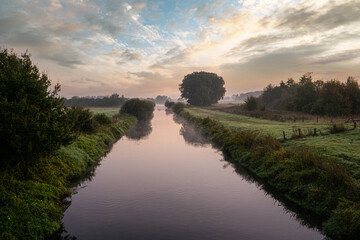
(323,184)
(31,207)
(44,145)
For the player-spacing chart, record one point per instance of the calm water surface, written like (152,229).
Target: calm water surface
(163,181)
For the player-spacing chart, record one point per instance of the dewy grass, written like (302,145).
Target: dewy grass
(316,182)
(107,111)
(260,126)
(32,209)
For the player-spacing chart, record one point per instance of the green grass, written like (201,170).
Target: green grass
(31,208)
(107,111)
(343,146)
(260,126)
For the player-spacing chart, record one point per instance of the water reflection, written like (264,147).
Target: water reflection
(165,189)
(140,131)
(306,218)
(193,136)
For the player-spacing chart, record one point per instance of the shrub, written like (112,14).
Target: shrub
(102,119)
(251,103)
(169,104)
(141,109)
(178,107)
(81,120)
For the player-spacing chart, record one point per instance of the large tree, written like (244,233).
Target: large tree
(202,88)
(32,116)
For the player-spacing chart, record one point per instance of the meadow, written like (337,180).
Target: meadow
(109,111)
(343,146)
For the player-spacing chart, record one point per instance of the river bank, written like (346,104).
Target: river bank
(32,208)
(313,181)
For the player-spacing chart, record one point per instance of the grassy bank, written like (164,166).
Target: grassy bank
(32,208)
(318,183)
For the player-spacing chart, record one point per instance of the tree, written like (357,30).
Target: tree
(141,109)
(333,99)
(306,95)
(32,116)
(202,88)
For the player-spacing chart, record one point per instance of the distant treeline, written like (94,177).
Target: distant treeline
(113,101)
(331,98)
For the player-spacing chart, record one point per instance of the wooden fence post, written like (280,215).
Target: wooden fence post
(299,132)
(284,135)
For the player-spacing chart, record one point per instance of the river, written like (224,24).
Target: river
(165,181)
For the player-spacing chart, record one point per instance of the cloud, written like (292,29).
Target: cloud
(339,57)
(125,55)
(335,15)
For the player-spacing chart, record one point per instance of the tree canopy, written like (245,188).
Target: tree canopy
(141,109)
(331,98)
(202,88)
(32,116)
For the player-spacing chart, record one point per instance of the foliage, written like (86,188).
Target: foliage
(331,98)
(141,109)
(178,107)
(102,118)
(251,103)
(161,99)
(81,120)
(202,88)
(113,101)
(32,209)
(169,104)
(32,116)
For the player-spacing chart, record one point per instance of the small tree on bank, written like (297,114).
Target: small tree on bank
(32,116)
(202,88)
(141,109)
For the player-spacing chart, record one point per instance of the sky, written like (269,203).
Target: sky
(144,48)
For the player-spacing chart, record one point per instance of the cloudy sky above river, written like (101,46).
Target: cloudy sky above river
(145,47)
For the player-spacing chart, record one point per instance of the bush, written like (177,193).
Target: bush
(141,109)
(169,104)
(32,116)
(251,103)
(178,107)
(102,119)
(81,120)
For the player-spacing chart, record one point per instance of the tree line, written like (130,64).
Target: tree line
(332,98)
(111,101)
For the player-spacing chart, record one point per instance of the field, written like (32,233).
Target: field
(343,146)
(262,126)
(107,111)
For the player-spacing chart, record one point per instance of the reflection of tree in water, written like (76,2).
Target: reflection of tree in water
(141,130)
(192,135)
(189,132)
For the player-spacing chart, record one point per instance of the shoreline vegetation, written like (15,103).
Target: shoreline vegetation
(32,208)
(321,184)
